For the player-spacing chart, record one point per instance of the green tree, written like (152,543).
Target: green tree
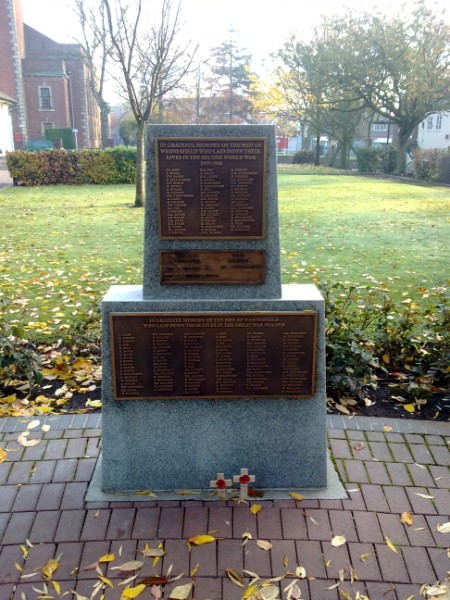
(398,67)
(128,129)
(303,79)
(230,80)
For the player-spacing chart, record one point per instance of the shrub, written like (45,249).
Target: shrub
(426,164)
(367,333)
(48,167)
(96,166)
(125,163)
(370,160)
(303,157)
(18,360)
(444,168)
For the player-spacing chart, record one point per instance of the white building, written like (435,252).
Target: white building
(434,132)
(6,130)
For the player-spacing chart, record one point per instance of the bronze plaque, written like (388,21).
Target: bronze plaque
(213,355)
(211,188)
(213,267)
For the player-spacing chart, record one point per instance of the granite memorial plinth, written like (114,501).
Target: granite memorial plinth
(211,365)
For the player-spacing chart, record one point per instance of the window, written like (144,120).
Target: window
(380,126)
(45,98)
(438,122)
(430,123)
(46,125)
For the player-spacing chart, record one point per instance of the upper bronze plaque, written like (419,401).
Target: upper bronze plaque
(211,188)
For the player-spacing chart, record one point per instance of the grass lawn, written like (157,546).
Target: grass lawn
(62,247)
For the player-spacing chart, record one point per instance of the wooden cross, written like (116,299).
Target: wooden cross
(221,484)
(244,479)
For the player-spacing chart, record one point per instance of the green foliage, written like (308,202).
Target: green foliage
(18,359)
(303,157)
(351,362)
(128,130)
(370,160)
(427,164)
(49,167)
(367,332)
(444,168)
(63,133)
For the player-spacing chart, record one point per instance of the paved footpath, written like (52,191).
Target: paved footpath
(388,467)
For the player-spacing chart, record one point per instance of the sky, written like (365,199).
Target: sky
(260,26)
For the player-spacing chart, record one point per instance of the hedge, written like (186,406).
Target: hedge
(49,167)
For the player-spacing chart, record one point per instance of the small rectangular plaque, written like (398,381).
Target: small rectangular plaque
(211,188)
(213,267)
(213,355)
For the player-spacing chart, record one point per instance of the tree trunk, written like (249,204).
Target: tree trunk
(344,154)
(140,165)
(317,150)
(402,145)
(105,125)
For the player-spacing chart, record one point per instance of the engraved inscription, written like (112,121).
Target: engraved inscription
(211,188)
(209,355)
(212,267)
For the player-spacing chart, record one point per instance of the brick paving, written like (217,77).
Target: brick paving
(43,516)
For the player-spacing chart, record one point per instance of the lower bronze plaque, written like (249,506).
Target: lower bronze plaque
(213,267)
(213,355)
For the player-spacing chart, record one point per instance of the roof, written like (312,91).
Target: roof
(7,99)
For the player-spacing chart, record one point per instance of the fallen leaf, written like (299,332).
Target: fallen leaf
(444,528)
(133,592)
(199,540)
(187,492)
(296,496)
(254,493)
(57,587)
(246,537)
(264,544)
(132,565)
(407,518)
(22,440)
(45,428)
(152,552)
(181,592)
(145,493)
(255,508)
(250,592)
(285,560)
(235,577)
(194,570)
(387,428)
(300,572)
(3,455)
(106,581)
(363,557)
(390,545)
(338,540)
(107,558)
(269,593)
(155,580)
(424,496)
(359,446)
(50,568)
(156,592)
(409,407)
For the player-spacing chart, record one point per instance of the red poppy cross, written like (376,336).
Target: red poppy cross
(221,484)
(244,479)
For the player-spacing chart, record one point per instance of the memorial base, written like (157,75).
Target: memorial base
(176,444)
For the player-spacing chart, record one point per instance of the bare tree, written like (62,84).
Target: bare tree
(96,49)
(151,61)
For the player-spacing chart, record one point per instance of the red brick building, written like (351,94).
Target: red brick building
(48,81)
